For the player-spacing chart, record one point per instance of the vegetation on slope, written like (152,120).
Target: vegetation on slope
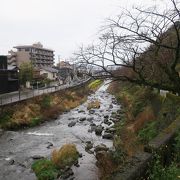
(145,113)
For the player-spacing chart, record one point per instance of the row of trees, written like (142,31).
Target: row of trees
(143,45)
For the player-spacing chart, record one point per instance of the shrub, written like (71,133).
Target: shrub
(148,132)
(93,105)
(45,170)
(177,147)
(67,155)
(35,121)
(46,101)
(118,155)
(159,172)
(5,119)
(95,84)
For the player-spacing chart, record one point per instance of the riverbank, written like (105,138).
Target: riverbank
(84,126)
(46,107)
(144,115)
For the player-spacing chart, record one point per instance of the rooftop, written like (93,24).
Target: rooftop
(36,46)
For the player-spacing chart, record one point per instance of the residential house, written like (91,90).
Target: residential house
(65,72)
(49,73)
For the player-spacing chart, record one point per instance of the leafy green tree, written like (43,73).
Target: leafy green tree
(26,72)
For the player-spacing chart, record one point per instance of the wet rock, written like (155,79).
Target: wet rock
(71,124)
(105,121)
(110,106)
(89,145)
(92,124)
(110,130)
(107,136)
(71,178)
(76,164)
(90,151)
(108,123)
(35,157)
(49,145)
(67,174)
(106,116)
(67,168)
(22,165)
(82,119)
(92,111)
(90,130)
(80,155)
(71,118)
(11,162)
(81,111)
(101,147)
(98,130)
(115,120)
(93,127)
(114,101)
(90,119)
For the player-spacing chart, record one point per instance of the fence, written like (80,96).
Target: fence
(23,95)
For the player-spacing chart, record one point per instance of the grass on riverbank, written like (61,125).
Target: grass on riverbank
(46,107)
(145,114)
(46,169)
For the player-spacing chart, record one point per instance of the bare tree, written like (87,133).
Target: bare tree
(143,45)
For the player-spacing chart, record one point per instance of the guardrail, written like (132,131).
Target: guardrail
(10,98)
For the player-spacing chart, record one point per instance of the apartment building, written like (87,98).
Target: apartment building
(36,54)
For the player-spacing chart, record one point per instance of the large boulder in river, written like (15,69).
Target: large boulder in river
(89,145)
(98,130)
(71,124)
(101,147)
(82,119)
(107,136)
(92,111)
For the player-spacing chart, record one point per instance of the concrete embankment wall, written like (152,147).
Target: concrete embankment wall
(162,145)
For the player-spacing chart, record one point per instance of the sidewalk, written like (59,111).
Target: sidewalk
(12,97)
(5,95)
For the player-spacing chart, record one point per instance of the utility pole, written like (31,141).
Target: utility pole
(18,71)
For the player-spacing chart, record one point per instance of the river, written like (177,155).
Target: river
(18,148)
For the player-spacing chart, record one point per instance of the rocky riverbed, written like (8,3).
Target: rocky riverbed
(89,129)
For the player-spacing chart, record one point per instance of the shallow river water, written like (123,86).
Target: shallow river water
(18,147)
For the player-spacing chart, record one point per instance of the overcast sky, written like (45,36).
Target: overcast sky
(61,25)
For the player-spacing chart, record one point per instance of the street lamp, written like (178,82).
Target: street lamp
(19,84)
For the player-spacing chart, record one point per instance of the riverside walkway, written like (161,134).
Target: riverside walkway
(17,96)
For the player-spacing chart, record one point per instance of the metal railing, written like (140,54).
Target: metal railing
(23,95)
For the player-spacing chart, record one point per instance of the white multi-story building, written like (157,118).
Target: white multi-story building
(35,54)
